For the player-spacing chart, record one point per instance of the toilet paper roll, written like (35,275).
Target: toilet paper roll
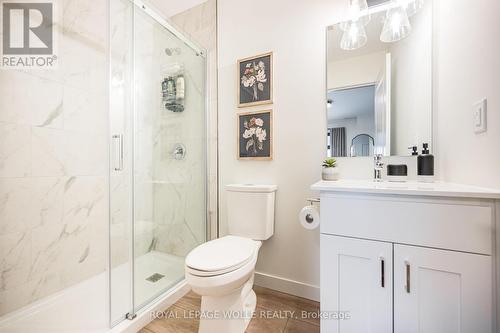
(309,217)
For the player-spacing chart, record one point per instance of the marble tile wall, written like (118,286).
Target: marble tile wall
(121,199)
(121,108)
(179,189)
(200,24)
(54,163)
(147,94)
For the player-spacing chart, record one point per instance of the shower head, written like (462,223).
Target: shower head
(170,51)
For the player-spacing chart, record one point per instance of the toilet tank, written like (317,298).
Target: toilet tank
(250,210)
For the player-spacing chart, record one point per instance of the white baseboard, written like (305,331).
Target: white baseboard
(288,286)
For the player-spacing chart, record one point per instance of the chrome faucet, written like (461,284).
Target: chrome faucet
(377,168)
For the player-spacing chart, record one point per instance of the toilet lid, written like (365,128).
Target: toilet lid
(222,254)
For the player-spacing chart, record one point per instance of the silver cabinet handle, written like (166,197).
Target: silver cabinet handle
(118,151)
(407,266)
(382,272)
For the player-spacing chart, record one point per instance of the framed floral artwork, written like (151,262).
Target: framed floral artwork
(255,135)
(255,80)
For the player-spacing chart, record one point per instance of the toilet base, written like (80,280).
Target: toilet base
(229,313)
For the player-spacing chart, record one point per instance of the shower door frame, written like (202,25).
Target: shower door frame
(151,12)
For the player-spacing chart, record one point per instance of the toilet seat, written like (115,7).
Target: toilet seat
(221,256)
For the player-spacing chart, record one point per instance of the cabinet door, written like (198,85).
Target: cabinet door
(356,277)
(437,291)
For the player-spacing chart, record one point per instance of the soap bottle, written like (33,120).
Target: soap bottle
(425,165)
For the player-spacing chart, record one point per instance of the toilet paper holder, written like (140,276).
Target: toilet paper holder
(312,201)
(309,215)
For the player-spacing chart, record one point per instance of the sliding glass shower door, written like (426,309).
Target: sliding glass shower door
(158,177)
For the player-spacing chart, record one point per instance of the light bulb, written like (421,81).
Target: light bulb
(358,11)
(354,36)
(396,25)
(413,6)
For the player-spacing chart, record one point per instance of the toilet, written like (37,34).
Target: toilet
(221,271)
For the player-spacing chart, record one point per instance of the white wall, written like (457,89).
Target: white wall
(468,69)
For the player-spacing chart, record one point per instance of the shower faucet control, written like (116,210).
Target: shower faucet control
(179,152)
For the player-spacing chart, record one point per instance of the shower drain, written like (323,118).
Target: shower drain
(155,277)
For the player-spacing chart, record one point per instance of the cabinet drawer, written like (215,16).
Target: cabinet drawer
(454,225)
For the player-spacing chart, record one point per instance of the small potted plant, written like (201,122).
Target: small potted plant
(329,172)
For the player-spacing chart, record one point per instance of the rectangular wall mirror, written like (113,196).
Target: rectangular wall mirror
(379,80)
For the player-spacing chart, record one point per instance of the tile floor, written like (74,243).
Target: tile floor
(298,315)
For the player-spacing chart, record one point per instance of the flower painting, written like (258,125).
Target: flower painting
(255,80)
(254,138)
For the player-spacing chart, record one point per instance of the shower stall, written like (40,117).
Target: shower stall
(103,172)
(159,172)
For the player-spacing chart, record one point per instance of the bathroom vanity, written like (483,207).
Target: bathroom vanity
(408,257)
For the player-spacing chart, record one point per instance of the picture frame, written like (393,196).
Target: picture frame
(255,135)
(255,80)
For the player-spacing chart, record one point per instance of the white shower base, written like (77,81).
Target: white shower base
(83,308)
(172,267)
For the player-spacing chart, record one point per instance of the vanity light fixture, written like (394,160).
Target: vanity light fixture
(396,25)
(354,35)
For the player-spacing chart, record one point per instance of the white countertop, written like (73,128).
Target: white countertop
(436,189)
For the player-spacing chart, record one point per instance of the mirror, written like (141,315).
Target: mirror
(379,93)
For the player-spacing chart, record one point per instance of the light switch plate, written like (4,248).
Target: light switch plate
(479,116)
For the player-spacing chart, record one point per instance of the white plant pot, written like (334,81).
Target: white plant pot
(330,174)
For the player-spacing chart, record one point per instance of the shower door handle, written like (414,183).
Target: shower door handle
(118,152)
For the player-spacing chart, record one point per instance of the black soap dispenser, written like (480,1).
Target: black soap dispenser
(425,165)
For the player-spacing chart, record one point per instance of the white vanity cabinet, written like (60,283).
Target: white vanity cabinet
(407,258)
